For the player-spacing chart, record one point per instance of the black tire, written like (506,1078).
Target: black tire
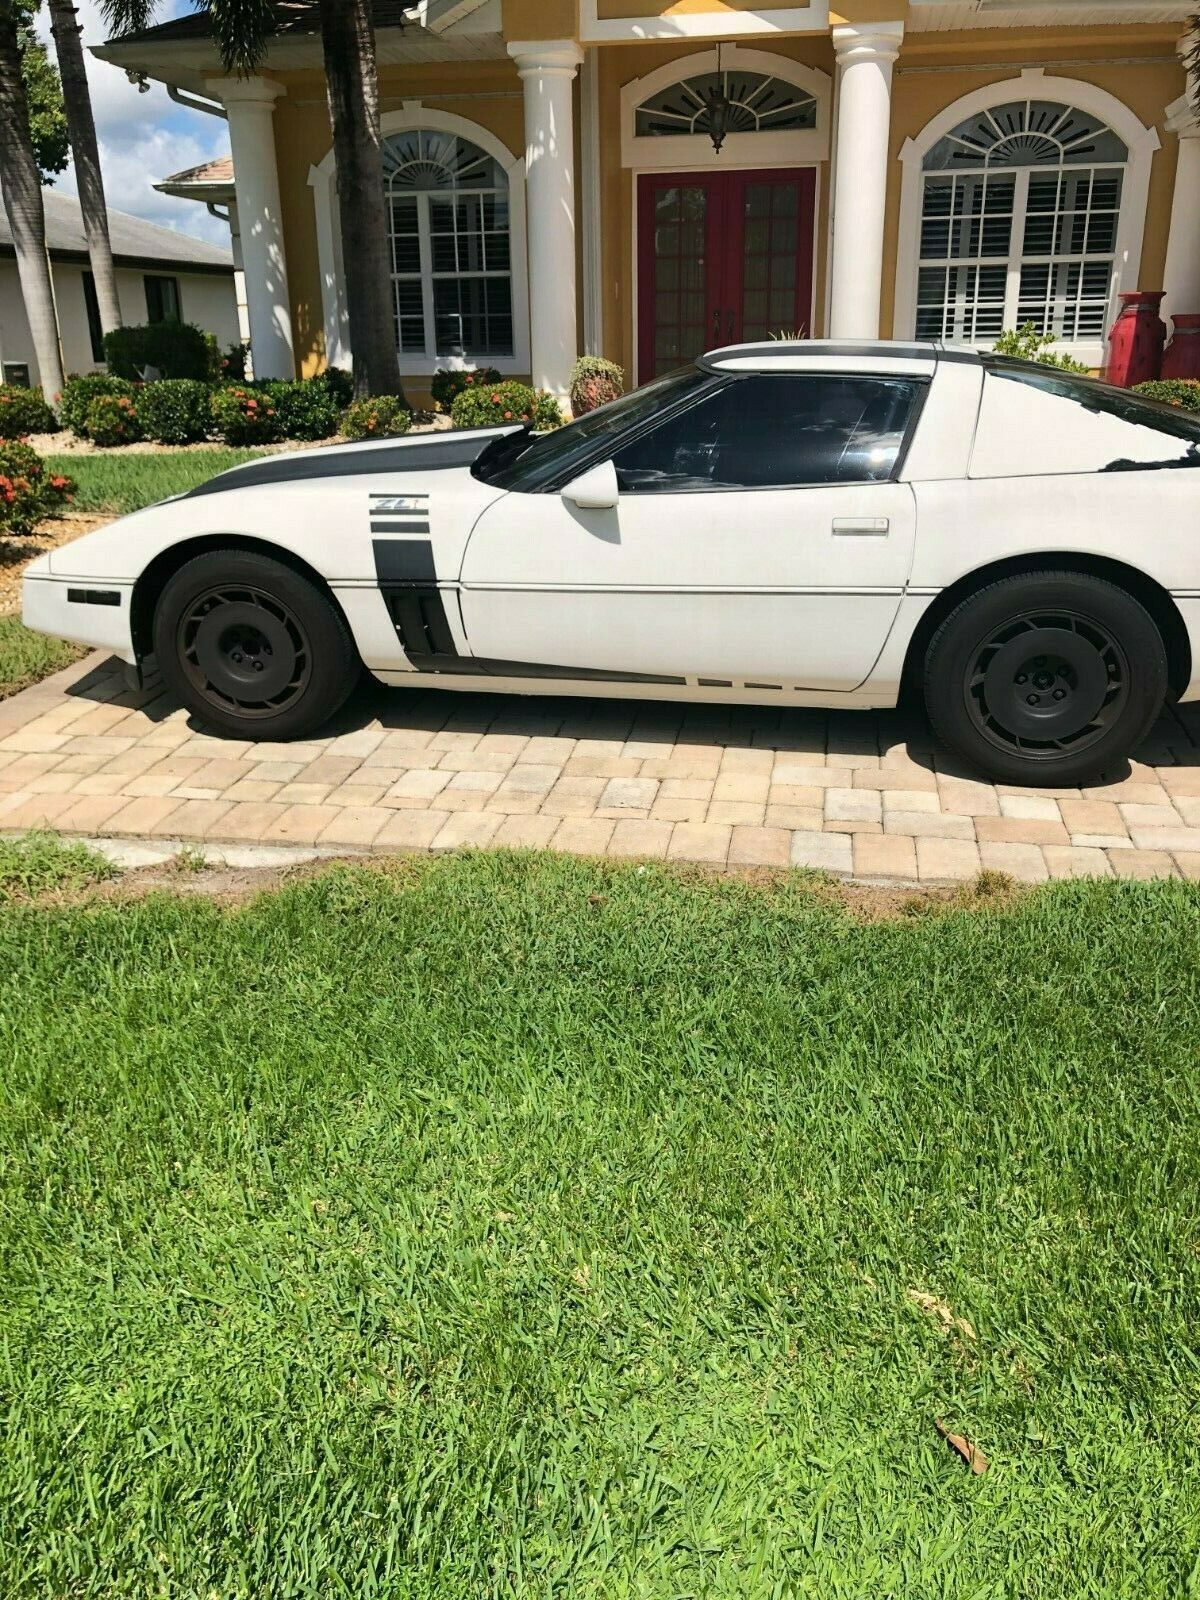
(1049,678)
(253,648)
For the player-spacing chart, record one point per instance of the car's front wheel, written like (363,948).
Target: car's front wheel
(1049,678)
(252,647)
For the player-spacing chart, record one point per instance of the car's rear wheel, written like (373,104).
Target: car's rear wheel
(1049,678)
(252,647)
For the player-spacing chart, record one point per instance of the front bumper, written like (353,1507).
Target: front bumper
(87,611)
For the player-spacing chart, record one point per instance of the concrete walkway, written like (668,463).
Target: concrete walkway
(854,793)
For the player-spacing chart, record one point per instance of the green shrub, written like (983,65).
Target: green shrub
(340,384)
(78,394)
(245,416)
(112,419)
(381,417)
(27,491)
(175,410)
(24,411)
(232,365)
(173,349)
(304,406)
(447,386)
(1027,344)
(1183,392)
(495,405)
(594,382)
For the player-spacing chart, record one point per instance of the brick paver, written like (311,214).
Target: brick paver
(852,793)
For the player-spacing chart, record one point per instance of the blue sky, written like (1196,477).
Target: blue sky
(145,137)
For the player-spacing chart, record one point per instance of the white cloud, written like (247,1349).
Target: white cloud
(145,137)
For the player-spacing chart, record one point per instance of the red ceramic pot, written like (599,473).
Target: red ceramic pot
(1135,340)
(1181,358)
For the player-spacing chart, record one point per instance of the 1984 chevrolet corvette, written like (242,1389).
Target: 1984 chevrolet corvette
(790,524)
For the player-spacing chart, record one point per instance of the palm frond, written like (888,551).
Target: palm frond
(241,29)
(127,16)
(1191,58)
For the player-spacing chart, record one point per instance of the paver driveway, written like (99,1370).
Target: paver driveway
(852,792)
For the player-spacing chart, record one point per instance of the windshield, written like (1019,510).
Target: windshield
(528,462)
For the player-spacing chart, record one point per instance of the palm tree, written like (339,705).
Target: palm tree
(241,29)
(21,182)
(64,25)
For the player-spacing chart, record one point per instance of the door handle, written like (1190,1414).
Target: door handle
(729,326)
(860,527)
(716,327)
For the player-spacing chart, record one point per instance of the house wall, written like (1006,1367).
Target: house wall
(207,299)
(1138,65)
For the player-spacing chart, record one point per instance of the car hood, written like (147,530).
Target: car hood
(424,452)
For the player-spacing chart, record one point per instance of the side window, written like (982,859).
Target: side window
(1035,422)
(162,299)
(774,432)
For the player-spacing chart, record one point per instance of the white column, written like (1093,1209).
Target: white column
(1181,274)
(250,106)
(864,56)
(546,68)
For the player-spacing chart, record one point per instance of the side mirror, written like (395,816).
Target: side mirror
(596,490)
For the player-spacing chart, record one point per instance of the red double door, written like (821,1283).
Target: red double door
(722,257)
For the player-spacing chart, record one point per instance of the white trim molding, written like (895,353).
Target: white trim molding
(322,180)
(591,227)
(799,147)
(682,26)
(1034,83)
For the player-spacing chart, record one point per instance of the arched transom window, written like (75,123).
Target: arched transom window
(757,104)
(448,220)
(1019,218)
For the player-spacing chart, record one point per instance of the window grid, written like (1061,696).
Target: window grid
(1025,232)
(450,249)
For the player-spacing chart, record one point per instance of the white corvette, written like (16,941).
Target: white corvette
(791,524)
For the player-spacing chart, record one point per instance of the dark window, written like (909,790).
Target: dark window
(162,299)
(773,432)
(92,305)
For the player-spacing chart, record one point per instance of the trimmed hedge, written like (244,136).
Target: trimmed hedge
(305,407)
(594,382)
(173,349)
(79,392)
(340,384)
(494,406)
(27,491)
(1183,392)
(24,411)
(245,416)
(112,419)
(381,417)
(447,386)
(175,410)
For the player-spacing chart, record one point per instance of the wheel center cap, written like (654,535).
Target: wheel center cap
(245,651)
(1046,684)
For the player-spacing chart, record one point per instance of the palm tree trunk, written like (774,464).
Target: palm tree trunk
(81,126)
(22,187)
(348,40)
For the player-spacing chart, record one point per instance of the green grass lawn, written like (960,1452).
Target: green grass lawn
(120,483)
(27,657)
(520,1226)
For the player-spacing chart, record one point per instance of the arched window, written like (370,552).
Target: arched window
(448,223)
(1020,217)
(758,103)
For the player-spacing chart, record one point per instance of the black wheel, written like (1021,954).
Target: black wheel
(1049,678)
(252,647)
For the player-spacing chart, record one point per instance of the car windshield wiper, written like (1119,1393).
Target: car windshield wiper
(499,452)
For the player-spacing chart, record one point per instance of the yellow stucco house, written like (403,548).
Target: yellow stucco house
(645,179)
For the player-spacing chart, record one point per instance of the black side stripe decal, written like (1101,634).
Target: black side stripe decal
(417,608)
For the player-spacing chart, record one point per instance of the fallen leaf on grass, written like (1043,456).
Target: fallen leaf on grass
(934,1307)
(971,1453)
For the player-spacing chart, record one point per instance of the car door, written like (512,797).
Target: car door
(758,540)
